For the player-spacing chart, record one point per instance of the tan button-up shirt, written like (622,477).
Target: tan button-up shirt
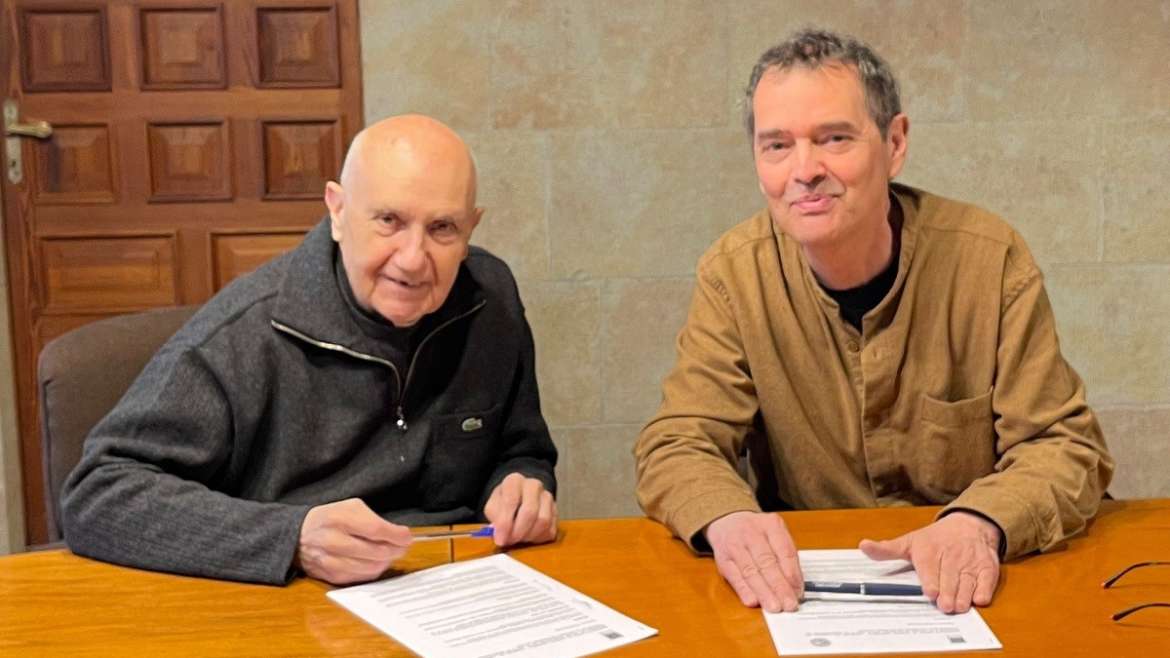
(954,392)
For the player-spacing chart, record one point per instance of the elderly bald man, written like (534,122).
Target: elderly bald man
(377,377)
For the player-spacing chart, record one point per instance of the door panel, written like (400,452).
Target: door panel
(235,254)
(189,161)
(183,48)
(299,157)
(191,142)
(108,273)
(298,47)
(65,49)
(75,166)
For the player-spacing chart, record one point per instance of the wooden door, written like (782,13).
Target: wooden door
(191,141)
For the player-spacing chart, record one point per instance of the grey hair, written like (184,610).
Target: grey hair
(814,48)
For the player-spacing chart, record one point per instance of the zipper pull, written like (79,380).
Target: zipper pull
(401,419)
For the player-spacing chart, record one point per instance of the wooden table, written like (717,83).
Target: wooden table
(55,603)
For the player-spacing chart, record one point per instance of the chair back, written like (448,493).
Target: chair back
(81,375)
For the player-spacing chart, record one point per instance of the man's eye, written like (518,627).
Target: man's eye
(444,228)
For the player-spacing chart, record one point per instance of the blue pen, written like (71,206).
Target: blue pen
(864,589)
(485,531)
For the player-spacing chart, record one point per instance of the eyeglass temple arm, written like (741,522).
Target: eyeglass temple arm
(1129,611)
(1114,579)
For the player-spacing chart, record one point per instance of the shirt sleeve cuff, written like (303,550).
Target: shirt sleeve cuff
(1013,516)
(690,518)
(1001,545)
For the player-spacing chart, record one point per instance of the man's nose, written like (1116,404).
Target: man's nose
(809,170)
(411,255)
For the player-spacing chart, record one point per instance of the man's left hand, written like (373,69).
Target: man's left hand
(521,511)
(956,557)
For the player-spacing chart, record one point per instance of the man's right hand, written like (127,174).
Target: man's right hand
(756,556)
(346,542)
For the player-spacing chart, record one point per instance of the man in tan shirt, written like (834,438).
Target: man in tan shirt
(886,346)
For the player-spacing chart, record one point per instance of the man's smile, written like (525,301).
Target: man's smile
(404,286)
(813,204)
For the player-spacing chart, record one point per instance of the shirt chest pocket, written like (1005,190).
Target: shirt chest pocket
(952,444)
(462,451)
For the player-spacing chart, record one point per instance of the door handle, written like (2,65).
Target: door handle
(38,129)
(13,130)
(12,127)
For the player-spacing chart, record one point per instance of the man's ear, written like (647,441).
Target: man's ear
(898,143)
(473,219)
(335,202)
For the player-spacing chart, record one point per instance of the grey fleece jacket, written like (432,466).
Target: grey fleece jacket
(278,396)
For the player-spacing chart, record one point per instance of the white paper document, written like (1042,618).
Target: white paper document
(845,623)
(487,608)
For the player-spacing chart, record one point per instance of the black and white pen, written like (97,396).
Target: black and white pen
(864,589)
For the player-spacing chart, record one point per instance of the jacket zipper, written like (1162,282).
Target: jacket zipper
(417,350)
(401,423)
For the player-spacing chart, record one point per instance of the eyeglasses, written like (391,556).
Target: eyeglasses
(1129,611)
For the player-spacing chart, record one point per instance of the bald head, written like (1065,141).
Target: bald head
(410,140)
(402,215)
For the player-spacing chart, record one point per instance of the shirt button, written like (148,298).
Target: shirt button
(852,346)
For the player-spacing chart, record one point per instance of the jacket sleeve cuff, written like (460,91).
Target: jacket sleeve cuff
(689,519)
(287,550)
(528,467)
(1012,515)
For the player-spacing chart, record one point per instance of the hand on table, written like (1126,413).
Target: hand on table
(346,542)
(521,510)
(756,556)
(956,557)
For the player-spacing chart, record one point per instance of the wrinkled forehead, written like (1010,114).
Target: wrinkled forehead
(444,178)
(831,91)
